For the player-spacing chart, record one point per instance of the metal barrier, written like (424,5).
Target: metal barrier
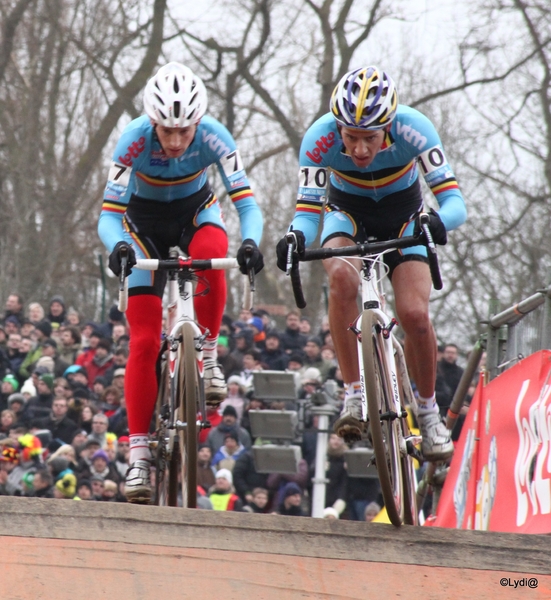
(511,335)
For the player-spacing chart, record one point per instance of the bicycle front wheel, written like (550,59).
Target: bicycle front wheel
(381,411)
(167,457)
(188,382)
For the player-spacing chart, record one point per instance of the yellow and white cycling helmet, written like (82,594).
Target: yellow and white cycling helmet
(365,98)
(175,96)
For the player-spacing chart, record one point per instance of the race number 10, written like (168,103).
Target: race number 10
(312,177)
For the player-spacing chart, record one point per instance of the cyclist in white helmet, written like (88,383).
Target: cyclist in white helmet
(365,156)
(158,196)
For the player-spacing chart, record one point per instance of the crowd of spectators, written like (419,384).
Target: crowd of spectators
(63,425)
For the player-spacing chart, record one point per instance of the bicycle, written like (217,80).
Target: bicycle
(385,384)
(181,405)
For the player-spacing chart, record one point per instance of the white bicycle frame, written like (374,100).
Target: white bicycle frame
(180,309)
(373,297)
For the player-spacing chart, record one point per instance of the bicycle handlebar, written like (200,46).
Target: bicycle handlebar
(176,264)
(365,249)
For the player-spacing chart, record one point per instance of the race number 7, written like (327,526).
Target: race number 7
(232,163)
(312,177)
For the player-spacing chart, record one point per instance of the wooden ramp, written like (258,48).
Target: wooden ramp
(68,550)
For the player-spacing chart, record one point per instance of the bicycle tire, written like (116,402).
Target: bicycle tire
(409,476)
(384,432)
(167,458)
(187,413)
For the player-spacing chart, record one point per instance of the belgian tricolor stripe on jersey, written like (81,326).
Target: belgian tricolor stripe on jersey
(113,207)
(308,207)
(241,194)
(376,179)
(167,182)
(444,186)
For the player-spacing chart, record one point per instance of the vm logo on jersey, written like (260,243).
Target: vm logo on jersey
(133,151)
(322,145)
(411,136)
(215,143)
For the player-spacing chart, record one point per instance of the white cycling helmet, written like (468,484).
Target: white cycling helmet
(365,98)
(175,96)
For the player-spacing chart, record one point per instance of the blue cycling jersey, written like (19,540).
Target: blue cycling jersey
(412,144)
(140,167)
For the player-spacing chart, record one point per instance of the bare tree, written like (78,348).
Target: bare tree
(75,69)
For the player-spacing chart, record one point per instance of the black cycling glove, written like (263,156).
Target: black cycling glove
(249,257)
(437,228)
(115,258)
(281,249)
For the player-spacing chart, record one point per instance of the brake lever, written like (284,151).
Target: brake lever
(291,240)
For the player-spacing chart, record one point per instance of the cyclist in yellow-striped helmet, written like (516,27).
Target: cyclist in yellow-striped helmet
(365,98)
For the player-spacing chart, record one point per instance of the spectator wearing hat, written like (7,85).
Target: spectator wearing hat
(292,339)
(236,395)
(13,307)
(118,379)
(42,331)
(291,501)
(10,384)
(100,362)
(259,335)
(214,417)
(243,343)
(205,473)
(273,357)
(69,348)
(245,476)
(114,317)
(101,466)
(62,427)
(120,359)
(87,354)
(56,311)
(49,349)
(229,423)
(12,325)
(65,488)
(276,482)
(229,452)
(85,450)
(84,489)
(222,495)
(16,403)
(310,382)
(11,472)
(39,406)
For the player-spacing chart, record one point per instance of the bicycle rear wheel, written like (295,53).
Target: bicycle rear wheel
(188,382)
(167,457)
(381,408)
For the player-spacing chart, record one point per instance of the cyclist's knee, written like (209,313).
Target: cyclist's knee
(415,321)
(209,241)
(343,281)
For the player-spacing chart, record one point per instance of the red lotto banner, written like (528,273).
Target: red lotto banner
(500,475)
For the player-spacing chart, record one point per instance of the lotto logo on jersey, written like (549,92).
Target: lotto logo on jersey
(322,145)
(133,151)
